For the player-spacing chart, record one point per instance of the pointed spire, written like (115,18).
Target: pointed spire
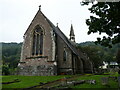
(72,31)
(72,35)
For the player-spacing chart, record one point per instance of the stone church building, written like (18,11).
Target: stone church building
(47,51)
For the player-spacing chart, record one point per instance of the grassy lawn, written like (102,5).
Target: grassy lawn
(28,81)
(111,83)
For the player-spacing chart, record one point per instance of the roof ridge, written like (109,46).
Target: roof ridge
(58,31)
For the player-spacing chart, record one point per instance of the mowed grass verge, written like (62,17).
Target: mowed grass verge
(28,81)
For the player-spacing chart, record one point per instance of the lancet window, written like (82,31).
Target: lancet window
(64,56)
(37,47)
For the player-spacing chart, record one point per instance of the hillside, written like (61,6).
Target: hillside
(112,50)
(98,53)
(10,56)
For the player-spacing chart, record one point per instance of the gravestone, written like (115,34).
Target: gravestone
(91,81)
(114,78)
(104,80)
(64,81)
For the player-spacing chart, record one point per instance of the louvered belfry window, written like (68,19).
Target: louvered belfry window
(37,47)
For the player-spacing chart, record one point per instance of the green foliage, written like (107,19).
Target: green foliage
(113,84)
(5,70)
(105,19)
(118,56)
(28,81)
(98,53)
(95,54)
(10,56)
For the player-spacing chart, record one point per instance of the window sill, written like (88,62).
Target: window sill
(36,57)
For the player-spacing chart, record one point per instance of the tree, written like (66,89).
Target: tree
(98,53)
(118,56)
(5,70)
(106,19)
(10,57)
(118,59)
(95,54)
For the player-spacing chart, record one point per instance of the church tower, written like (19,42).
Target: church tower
(72,35)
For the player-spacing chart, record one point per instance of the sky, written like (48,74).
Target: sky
(16,15)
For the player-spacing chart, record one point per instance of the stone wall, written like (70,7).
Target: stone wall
(33,65)
(64,66)
(51,62)
(41,70)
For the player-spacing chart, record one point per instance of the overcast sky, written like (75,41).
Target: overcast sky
(16,15)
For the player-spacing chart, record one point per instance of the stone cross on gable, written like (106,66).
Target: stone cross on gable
(40,7)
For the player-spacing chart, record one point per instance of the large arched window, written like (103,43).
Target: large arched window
(37,48)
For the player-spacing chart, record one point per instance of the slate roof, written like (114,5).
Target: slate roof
(60,34)
(66,40)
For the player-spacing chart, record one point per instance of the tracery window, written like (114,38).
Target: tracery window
(37,47)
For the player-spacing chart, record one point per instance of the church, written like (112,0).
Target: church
(46,51)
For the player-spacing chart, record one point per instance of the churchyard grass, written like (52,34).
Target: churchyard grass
(28,81)
(111,82)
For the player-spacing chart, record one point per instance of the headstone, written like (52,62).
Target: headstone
(91,81)
(79,82)
(113,78)
(104,80)
(64,81)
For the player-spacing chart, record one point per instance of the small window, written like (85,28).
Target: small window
(64,56)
